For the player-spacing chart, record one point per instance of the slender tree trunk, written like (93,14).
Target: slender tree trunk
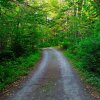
(97,2)
(80,5)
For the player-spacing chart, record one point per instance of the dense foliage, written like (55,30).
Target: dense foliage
(19,38)
(88,51)
(26,25)
(77,29)
(12,70)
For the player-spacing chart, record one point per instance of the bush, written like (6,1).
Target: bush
(18,49)
(89,53)
(66,45)
(12,70)
(6,55)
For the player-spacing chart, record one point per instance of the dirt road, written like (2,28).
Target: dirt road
(54,79)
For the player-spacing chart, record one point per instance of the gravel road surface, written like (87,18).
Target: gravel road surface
(54,79)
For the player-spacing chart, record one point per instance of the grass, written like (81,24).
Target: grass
(88,77)
(10,71)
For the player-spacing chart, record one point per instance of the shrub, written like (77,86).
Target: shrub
(12,70)
(6,55)
(89,53)
(18,49)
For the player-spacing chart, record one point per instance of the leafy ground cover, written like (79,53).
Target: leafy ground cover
(10,71)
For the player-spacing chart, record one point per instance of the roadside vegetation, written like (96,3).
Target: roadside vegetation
(27,25)
(11,71)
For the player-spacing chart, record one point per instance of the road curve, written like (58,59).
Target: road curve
(54,79)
